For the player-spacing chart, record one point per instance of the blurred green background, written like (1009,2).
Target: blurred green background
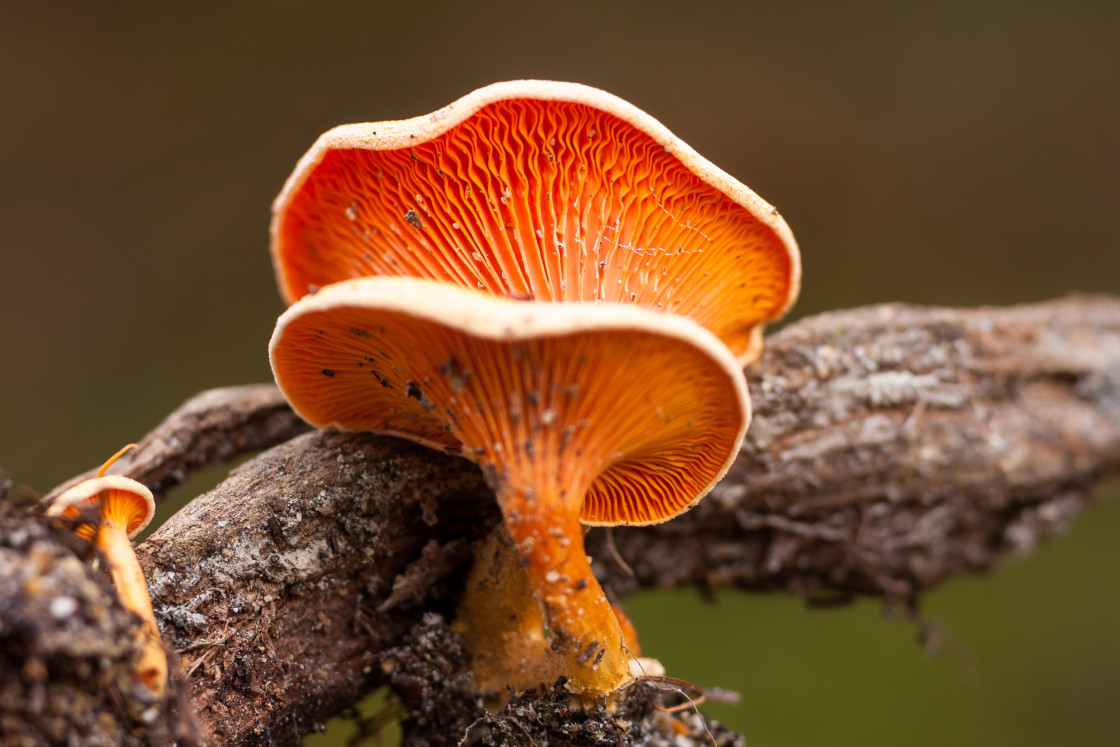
(945,153)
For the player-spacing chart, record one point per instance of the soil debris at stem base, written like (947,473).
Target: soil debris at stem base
(426,674)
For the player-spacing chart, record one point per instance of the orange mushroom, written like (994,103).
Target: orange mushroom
(605,414)
(543,190)
(124,508)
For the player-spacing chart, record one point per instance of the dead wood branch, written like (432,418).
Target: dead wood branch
(891,448)
(213,427)
(895,446)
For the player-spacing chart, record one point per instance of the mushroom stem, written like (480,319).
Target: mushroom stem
(502,625)
(132,589)
(581,623)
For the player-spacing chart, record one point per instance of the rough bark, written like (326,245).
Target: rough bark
(892,447)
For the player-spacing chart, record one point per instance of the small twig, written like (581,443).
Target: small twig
(523,730)
(469,729)
(693,704)
(213,427)
(201,660)
(617,555)
(373,726)
(197,646)
(674,685)
(211,645)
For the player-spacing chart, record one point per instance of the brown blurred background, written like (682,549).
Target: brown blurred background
(942,153)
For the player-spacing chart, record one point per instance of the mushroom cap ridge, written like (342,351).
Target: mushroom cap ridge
(502,320)
(398,134)
(88,489)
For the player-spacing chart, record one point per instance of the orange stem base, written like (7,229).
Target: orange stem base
(581,624)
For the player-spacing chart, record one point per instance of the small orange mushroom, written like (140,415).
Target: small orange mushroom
(124,508)
(542,190)
(605,414)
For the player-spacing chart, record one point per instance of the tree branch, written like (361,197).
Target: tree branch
(892,447)
(213,427)
(895,446)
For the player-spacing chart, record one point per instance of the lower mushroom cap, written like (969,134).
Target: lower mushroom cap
(650,408)
(120,498)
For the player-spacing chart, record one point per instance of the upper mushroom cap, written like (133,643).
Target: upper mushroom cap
(118,497)
(544,190)
(650,408)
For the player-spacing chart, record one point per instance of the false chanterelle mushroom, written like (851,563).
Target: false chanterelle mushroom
(605,414)
(541,190)
(123,507)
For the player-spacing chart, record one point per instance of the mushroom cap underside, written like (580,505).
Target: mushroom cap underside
(649,409)
(544,190)
(118,497)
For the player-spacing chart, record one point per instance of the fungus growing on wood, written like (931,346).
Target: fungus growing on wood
(605,414)
(123,507)
(541,190)
(503,628)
